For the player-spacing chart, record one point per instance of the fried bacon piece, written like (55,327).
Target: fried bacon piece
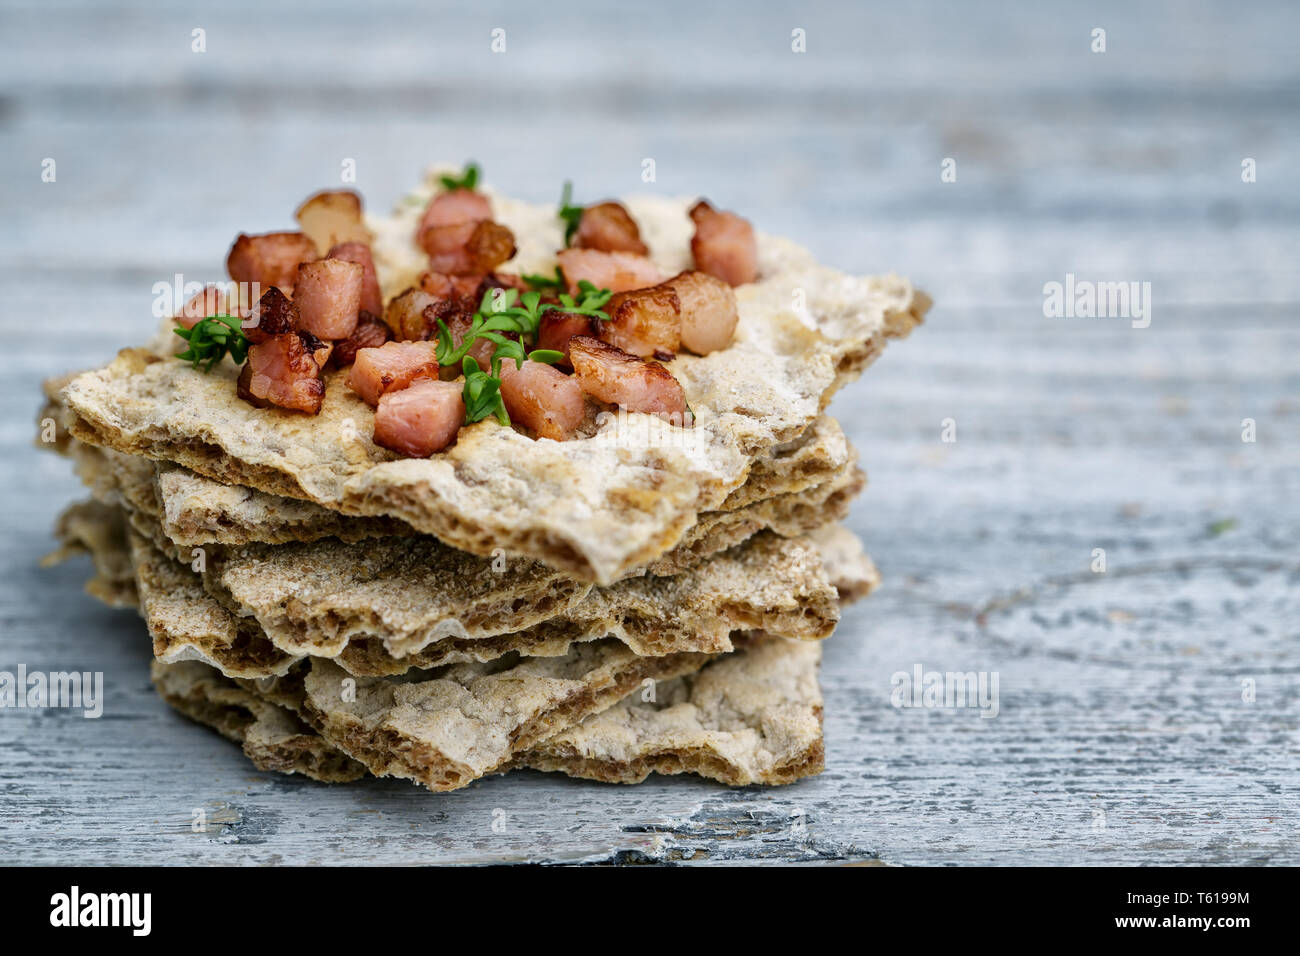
(451,208)
(333,217)
(328,297)
(413,315)
(359,252)
(724,245)
(609,227)
(273,315)
(459,236)
(444,286)
(392,366)
(210,300)
(405,314)
(467,248)
(708,311)
(371,332)
(557,328)
(542,398)
(645,322)
(271,259)
(611,375)
(420,419)
(285,370)
(615,271)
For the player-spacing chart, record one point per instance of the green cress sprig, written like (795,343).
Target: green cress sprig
(467,179)
(546,282)
(211,338)
(571,214)
(508,320)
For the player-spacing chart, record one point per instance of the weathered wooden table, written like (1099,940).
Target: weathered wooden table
(1147,714)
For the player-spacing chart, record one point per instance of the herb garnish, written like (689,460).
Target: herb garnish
(571,214)
(211,338)
(543,282)
(482,394)
(509,321)
(467,180)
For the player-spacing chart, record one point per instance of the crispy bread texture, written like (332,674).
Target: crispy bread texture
(595,508)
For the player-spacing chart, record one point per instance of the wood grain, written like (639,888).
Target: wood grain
(1122,735)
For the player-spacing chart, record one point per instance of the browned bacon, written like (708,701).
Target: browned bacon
(468,248)
(452,207)
(271,259)
(211,300)
(333,217)
(359,252)
(328,297)
(371,332)
(557,328)
(615,271)
(285,370)
(542,398)
(724,245)
(392,366)
(609,227)
(645,322)
(273,315)
(414,314)
(611,375)
(444,286)
(708,309)
(420,419)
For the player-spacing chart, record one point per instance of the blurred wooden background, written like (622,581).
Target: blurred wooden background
(1122,737)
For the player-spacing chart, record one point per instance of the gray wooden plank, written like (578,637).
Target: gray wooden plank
(1122,735)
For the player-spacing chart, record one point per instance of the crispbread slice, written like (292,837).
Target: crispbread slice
(768,582)
(790,491)
(595,508)
(446,728)
(197,511)
(186,624)
(272,737)
(411,594)
(753,716)
(99,530)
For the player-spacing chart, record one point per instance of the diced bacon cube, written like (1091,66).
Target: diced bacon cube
(609,227)
(328,297)
(392,366)
(542,398)
(557,328)
(284,370)
(420,419)
(611,375)
(645,322)
(708,311)
(271,259)
(371,299)
(332,217)
(724,245)
(370,333)
(615,271)
(454,206)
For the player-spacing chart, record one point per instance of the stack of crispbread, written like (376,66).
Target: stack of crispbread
(648,599)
